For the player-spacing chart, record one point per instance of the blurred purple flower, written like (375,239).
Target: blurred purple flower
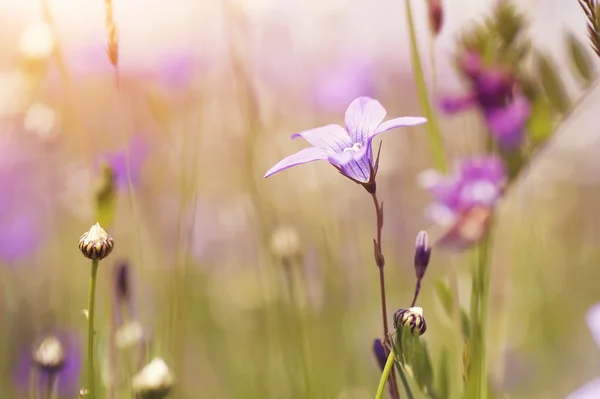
(347,149)
(67,382)
(136,152)
(28,179)
(494,92)
(463,202)
(337,85)
(591,390)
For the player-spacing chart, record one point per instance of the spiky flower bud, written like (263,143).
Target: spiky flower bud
(49,356)
(411,317)
(422,254)
(285,243)
(154,381)
(96,244)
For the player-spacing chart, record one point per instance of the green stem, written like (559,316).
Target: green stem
(436,144)
(384,376)
(90,346)
(478,384)
(409,393)
(49,385)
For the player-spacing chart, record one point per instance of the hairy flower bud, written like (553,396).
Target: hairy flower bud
(422,254)
(154,381)
(411,317)
(49,356)
(96,244)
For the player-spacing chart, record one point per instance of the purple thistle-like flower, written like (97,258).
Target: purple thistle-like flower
(464,201)
(348,149)
(493,91)
(475,181)
(66,380)
(117,161)
(591,390)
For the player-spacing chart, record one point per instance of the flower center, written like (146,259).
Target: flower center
(356,147)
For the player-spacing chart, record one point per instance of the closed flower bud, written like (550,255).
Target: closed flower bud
(96,244)
(285,243)
(436,16)
(411,317)
(129,335)
(49,356)
(154,381)
(122,281)
(422,254)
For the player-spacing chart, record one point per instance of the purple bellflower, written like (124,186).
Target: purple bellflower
(464,201)
(494,92)
(591,390)
(348,149)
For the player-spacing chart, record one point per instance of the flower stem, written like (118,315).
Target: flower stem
(478,384)
(409,393)
(434,135)
(49,385)
(384,376)
(90,345)
(380,261)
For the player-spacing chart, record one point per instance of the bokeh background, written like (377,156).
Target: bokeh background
(208,94)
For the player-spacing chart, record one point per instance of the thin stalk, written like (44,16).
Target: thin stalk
(90,346)
(49,385)
(380,261)
(409,393)
(478,379)
(384,376)
(434,135)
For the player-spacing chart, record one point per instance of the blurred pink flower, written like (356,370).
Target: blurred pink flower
(338,84)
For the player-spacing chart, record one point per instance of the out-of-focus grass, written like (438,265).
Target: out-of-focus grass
(213,296)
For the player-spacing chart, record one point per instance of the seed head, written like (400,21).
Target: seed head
(154,381)
(285,243)
(129,335)
(413,317)
(422,254)
(96,244)
(49,356)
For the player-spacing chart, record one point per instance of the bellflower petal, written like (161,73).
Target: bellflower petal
(363,117)
(591,390)
(508,123)
(306,155)
(331,138)
(593,321)
(398,122)
(358,170)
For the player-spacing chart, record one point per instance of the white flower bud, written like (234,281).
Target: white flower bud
(153,381)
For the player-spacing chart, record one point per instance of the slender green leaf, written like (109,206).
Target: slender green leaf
(552,84)
(580,61)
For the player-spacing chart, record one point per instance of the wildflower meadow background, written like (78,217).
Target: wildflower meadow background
(334,199)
